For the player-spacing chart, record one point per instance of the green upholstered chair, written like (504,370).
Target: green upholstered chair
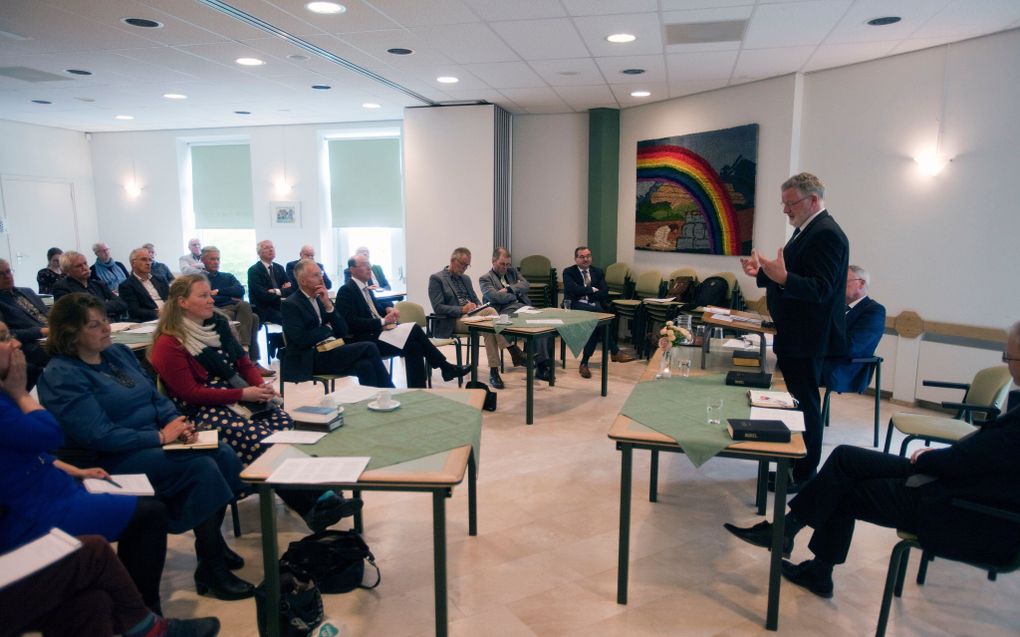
(982,401)
(617,280)
(647,285)
(411,312)
(538,270)
(328,380)
(656,314)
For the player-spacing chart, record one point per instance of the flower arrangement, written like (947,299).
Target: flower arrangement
(672,335)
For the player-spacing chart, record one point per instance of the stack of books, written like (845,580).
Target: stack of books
(316,418)
(747,358)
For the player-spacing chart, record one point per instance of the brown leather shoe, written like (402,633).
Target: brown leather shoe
(266,373)
(584,371)
(620,357)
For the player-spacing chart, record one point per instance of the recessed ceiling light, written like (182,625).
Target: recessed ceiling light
(321,87)
(79,72)
(881,22)
(400,51)
(447,79)
(249,61)
(325,8)
(371,105)
(632,71)
(41,102)
(175,96)
(142,22)
(297,56)
(242,112)
(639,94)
(621,38)
(124,117)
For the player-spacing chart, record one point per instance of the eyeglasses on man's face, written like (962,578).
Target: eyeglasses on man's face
(791,204)
(1006,358)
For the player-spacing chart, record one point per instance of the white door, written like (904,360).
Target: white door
(38,214)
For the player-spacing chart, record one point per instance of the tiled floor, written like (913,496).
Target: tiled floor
(544,561)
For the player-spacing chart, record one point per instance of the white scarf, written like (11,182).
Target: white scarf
(198,337)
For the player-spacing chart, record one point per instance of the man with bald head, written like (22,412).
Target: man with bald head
(143,293)
(308,252)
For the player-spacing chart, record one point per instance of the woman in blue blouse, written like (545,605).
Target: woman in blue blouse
(38,492)
(106,403)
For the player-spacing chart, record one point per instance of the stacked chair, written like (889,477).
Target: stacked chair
(539,272)
(647,285)
(656,314)
(618,280)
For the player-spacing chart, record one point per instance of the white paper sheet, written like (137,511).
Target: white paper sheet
(775,399)
(722,317)
(397,336)
(130,484)
(793,418)
(294,437)
(36,555)
(527,309)
(665,300)
(335,470)
(736,343)
(353,394)
(121,326)
(544,321)
(717,310)
(144,329)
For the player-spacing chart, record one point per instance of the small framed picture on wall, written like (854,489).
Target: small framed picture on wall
(285,214)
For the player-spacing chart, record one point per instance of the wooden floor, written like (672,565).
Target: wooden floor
(544,561)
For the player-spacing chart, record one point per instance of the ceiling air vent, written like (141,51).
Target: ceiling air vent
(702,32)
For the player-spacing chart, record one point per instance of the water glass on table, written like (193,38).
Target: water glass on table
(714,408)
(683,369)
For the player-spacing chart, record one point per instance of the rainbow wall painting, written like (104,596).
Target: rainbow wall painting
(695,193)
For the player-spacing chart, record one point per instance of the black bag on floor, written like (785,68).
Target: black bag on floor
(334,559)
(490,396)
(300,603)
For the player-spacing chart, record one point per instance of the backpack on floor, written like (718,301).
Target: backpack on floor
(335,560)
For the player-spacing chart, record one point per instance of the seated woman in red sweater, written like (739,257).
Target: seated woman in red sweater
(213,382)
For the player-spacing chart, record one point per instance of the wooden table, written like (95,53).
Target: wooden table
(529,334)
(630,435)
(738,325)
(437,474)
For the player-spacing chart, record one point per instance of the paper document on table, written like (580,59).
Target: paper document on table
(142,329)
(750,320)
(527,309)
(121,327)
(130,484)
(665,300)
(774,399)
(792,418)
(476,319)
(754,340)
(717,310)
(336,470)
(36,555)
(737,343)
(544,321)
(293,437)
(722,317)
(397,337)
(354,394)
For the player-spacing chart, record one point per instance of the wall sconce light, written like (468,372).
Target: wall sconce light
(132,188)
(931,163)
(282,187)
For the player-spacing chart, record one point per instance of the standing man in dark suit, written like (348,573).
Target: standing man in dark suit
(368,317)
(585,288)
(865,322)
(311,323)
(914,495)
(143,293)
(78,278)
(805,287)
(308,252)
(26,318)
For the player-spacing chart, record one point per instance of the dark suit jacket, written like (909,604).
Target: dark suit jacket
(445,302)
(809,311)
(115,308)
(574,288)
(303,330)
(21,324)
(263,302)
(140,305)
(351,305)
(293,279)
(228,289)
(864,326)
(493,291)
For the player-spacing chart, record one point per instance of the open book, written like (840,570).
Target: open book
(773,399)
(208,439)
(36,555)
(121,484)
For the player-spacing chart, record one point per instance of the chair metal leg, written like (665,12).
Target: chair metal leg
(825,406)
(922,568)
(890,584)
(888,436)
(563,354)
(236,518)
(878,399)
(901,572)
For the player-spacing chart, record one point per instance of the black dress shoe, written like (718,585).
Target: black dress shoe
(542,372)
(233,561)
(198,627)
(494,380)
(213,579)
(760,535)
(453,372)
(811,576)
(517,356)
(330,510)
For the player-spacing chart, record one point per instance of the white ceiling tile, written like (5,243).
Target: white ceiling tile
(707,15)
(542,39)
(376,43)
(607,7)
(753,64)
(679,89)
(500,75)
(585,97)
(548,110)
(182,63)
(689,67)
(357,17)
(467,43)
(963,18)
(645,26)
(916,44)
(492,10)
(654,66)
(529,97)
(416,13)
(828,56)
(854,26)
(794,24)
(684,5)
(573,72)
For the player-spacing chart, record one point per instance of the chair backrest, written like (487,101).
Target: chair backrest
(411,312)
(535,265)
(989,387)
(691,272)
(616,276)
(648,283)
(731,279)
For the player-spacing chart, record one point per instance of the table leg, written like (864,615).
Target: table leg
(761,487)
(761,352)
(472,496)
(473,352)
(626,458)
(552,361)
(704,345)
(359,522)
(776,556)
(653,478)
(270,559)
(529,365)
(605,357)
(439,556)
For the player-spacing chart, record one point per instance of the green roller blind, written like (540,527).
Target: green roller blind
(365,183)
(221,186)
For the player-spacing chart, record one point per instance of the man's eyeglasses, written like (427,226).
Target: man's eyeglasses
(1007,358)
(6,336)
(791,204)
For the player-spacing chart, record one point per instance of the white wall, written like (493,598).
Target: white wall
(448,186)
(550,186)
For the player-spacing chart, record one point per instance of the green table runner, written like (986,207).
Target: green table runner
(676,407)
(425,424)
(576,328)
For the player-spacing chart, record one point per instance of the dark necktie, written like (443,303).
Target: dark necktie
(796,233)
(586,278)
(272,277)
(371,303)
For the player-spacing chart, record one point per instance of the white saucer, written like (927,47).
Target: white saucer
(374,406)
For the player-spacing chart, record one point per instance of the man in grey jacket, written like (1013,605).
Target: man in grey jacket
(507,291)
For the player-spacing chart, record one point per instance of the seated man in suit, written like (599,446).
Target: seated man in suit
(585,288)
(268,284)
(143,292)
(453,297)
(110,272)
(78,278)
(507,291)
(158,269)
(191,263)
(312,323)
(27,319)
(228,296)
(307,252)
(865,322)
(913,495)
(378,278)
(367,318)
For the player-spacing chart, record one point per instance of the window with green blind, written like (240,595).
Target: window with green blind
(221,186)
(365,183)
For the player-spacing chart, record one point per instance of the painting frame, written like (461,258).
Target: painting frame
(285,214)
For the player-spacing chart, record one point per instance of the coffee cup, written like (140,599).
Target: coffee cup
(384,399)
